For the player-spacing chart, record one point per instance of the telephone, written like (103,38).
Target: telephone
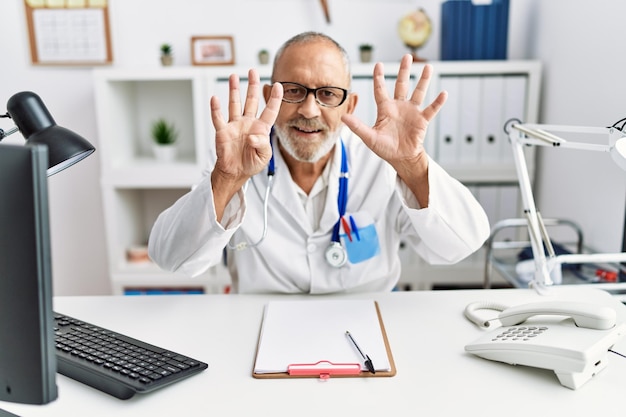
(571,338)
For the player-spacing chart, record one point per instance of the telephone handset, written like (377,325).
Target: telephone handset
(571,338)
(587,315)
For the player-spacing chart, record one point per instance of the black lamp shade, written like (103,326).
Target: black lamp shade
(36,124)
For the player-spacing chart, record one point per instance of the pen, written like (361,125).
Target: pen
(346,228)
(368,362)
(355,230)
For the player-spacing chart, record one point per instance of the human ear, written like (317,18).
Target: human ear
(351,102)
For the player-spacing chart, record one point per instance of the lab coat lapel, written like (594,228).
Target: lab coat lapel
(331,210)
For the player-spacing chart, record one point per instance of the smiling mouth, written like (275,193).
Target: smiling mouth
(307,131)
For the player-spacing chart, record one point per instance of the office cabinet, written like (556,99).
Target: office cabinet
(467,138)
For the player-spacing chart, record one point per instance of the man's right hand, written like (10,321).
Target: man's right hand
(242,144)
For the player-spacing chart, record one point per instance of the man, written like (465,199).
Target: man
(332,217)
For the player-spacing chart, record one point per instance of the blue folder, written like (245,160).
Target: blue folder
(474,31)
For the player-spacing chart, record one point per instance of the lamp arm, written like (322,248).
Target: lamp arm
(583,258)
(539,135)
(535,224)
(5,133)
(522,135)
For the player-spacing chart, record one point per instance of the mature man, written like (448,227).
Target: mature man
(308,199)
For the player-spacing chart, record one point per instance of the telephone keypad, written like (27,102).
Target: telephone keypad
(521,333)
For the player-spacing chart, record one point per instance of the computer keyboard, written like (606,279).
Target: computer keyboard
(115,363)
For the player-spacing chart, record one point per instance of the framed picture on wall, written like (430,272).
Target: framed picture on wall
(212,50)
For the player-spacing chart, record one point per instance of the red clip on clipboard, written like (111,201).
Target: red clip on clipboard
(323,369)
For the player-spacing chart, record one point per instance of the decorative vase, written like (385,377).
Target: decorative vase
(167,60)
(264,57)
(165,153)
(366,55)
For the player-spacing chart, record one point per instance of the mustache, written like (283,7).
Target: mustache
(307,124)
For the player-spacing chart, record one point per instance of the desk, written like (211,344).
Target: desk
(427,333)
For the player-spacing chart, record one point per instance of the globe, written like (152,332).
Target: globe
(414,30)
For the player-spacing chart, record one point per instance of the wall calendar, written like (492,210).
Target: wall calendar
(69,32)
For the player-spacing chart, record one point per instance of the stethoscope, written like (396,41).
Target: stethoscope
(335,254)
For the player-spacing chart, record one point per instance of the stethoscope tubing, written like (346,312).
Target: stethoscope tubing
(342,202)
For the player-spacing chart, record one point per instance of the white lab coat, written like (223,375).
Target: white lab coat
(187,238)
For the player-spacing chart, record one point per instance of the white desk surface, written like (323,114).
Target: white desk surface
(427,334)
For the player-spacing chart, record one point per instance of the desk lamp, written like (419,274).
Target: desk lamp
(31,117)
(522,135)
(27,356)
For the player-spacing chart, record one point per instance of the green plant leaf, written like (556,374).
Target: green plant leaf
(163,132)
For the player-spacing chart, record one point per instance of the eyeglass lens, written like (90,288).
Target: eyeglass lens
(326,96)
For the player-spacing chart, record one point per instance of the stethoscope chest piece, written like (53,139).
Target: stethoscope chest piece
(336,255)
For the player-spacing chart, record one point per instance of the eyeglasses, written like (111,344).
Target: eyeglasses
(324,96)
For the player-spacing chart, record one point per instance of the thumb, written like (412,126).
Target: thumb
(359,128)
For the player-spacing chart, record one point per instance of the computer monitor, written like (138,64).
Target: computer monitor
(27,357)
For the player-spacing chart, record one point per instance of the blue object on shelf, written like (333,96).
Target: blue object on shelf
(474,31)
(162,291)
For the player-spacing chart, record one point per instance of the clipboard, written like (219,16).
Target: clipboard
(290,327)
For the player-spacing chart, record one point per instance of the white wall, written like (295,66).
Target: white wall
(576,88)
(581,45)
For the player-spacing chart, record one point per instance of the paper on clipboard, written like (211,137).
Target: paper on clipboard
(310,331)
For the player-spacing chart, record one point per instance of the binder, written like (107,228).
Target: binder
(307,339)
(448,122)
(492,137)
(469,118)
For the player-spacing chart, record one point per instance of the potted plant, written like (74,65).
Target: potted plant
(365,52)
(166,55)
(164,135)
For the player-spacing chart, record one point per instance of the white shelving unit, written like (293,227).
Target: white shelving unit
(136,187)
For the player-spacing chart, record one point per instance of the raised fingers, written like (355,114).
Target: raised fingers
(422,85)
(251,105)
(401,90)
(216,114)
(270,112)
(234,99)
(380,89)
(431,111)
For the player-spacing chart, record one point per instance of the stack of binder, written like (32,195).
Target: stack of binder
(474,30)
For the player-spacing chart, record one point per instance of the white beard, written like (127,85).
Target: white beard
(305,154)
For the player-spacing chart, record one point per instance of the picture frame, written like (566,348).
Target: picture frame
(212,50)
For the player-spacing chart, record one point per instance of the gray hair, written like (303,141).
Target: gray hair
(306,37)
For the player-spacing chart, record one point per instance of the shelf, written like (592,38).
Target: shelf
(129,216)
(128,104)
(148,173)
(149,276)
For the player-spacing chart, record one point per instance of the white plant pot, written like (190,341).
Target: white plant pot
(165,153)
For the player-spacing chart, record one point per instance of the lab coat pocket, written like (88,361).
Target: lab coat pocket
(359,237)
